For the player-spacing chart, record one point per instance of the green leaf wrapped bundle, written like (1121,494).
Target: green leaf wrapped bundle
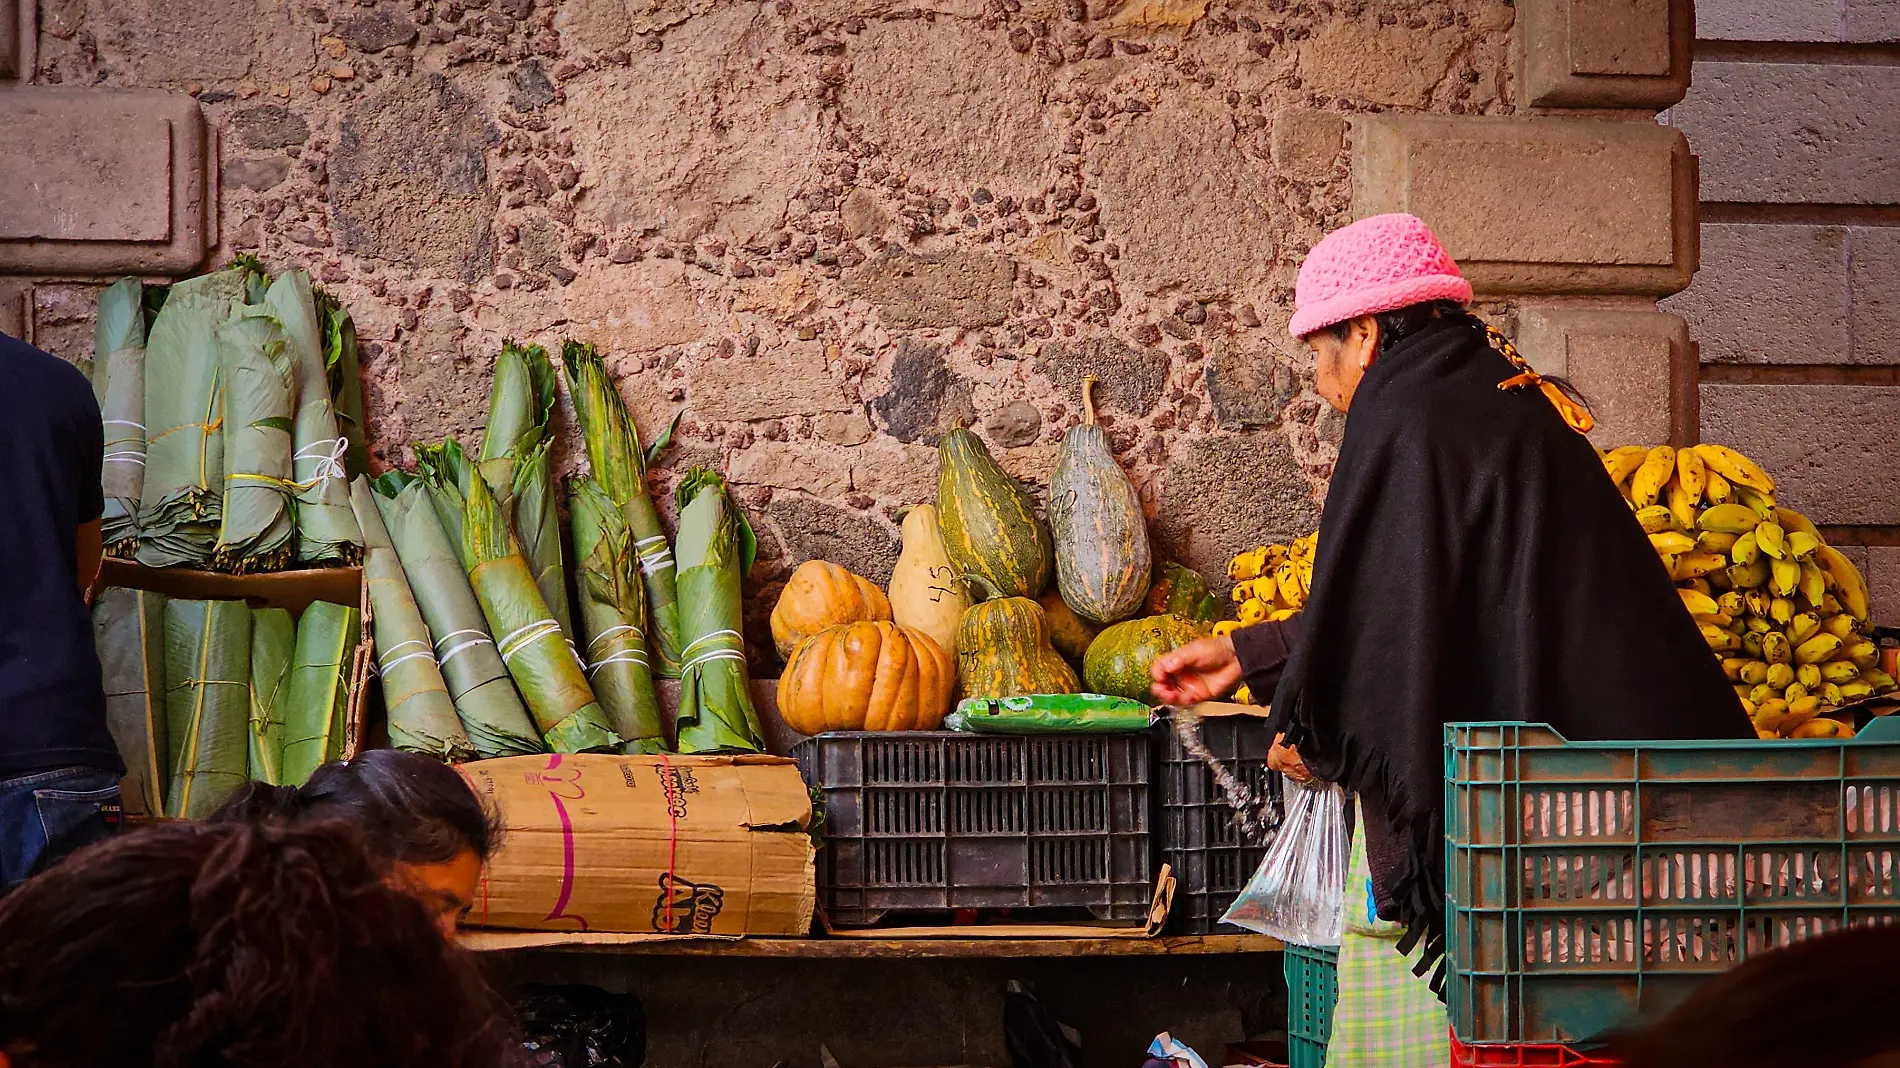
(180,501)
(346,379)
(207,702)
(128,629)
(118,375)
(327,534)
(519,469)
(422,716)
(317,697)
(613,618)
(716,549)
(444,469)
(273,643)
(544,665)
(613,451)
(255,375)
(484,693)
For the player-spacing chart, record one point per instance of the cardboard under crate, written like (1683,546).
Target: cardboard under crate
(292,591)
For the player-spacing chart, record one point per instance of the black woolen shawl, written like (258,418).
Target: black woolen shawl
(1476,563)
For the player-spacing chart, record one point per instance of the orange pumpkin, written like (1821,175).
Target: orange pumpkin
(821,594)
(869,676)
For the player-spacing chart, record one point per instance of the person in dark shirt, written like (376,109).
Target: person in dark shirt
(59,770)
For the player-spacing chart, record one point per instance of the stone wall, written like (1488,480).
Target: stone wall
(828,230)
(1795,114)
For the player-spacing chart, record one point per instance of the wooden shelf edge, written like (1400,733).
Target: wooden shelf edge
(868,948)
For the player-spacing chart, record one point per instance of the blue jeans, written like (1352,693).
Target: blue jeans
(48,814)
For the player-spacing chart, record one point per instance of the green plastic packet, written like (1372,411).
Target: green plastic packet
(1050,713)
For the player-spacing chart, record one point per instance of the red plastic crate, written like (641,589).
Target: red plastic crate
(1519,1055)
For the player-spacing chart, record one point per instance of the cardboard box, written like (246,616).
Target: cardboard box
(665,846)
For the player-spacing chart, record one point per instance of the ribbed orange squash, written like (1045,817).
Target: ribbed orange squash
(872,676)
(821,594)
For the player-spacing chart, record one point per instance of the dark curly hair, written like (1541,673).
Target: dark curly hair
(188,944)
(411,809)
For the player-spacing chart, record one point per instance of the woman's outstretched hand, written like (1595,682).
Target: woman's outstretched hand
(1201,670)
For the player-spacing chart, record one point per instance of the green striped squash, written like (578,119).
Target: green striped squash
(1120,657)
(1003,650)
(990,528)
(1101,538)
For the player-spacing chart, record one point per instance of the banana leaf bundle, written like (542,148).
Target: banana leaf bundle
(444,470)
(613,618)
(255,375)
(317,697)
(345,369)
(484,693)
(128,629)
(180,502)
(327,534)
(273,643)
(716,549)
(118,376)
(421,713)
(544,666)
(207,702)
(518,467)
(613,451)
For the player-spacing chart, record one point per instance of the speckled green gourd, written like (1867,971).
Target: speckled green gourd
(1103,561)
(1004,650)
(990,527)
(1118,660)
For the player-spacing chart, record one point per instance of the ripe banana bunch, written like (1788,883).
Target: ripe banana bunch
(1786,613)
(1270,583)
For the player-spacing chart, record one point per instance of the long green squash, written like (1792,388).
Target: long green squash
(1004,650)
(990,527)
(1120,657)
(1103,560)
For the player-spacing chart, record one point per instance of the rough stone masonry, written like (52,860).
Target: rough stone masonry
(827,230)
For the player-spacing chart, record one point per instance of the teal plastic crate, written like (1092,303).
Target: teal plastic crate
(1590,883)
(1312,985)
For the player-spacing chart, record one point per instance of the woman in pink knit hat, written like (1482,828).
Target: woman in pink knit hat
(1475,564)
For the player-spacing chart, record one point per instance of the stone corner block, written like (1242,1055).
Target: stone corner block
(12,57)
(1539,205)
(104,181)
(1606,53)
(1635,367)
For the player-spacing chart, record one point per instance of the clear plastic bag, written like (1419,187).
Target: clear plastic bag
(1298,893)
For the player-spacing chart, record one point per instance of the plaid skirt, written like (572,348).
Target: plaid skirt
(1385,1017)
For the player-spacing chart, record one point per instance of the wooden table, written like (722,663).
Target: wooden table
(870,948)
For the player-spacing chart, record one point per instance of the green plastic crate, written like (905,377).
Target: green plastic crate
(1312,985)
(1588,883)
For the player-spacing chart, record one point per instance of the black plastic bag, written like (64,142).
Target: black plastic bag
(581,1027)
(1033,1035)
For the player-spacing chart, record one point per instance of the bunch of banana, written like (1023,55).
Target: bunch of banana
(1270,583)
(1787,613)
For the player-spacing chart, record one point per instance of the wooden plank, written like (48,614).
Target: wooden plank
(867,948)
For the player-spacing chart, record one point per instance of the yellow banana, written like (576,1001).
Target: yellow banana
(1781,610)
(1801,543)
(1748,576)
(1848,583)
(1863,653)
(1252,612)
(1691,473)
(1751,643)
(1780,676)
(1803,626)
(1761,694)
(1854,691)
(1771,539)
(1698,604)
(1622,463)
(1733,602)
(1792,521)
(1759,602)
(1744,551)
(1225,627)
(1719,640)
(1809,675)
(1247,565)
(1769,714)
(1775,648)
(1822,729)
(1649,478)
(1657,519)
(1243,696)
(1881,681)
(1793,693)
(1694,565)
(1816,649)
(1280,614)
(1759,624)
(1714,541)
(1718,491)
(1671,542)
(1839,671)
(1754,672)
(1735,467)
(1801,711)
(1831,696)
(1784,577)
(1732,669)
(1763,504)
(1741,691)
(1681,505)
(1813,583)
(1728,519)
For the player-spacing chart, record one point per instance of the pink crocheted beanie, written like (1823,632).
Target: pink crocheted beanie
(1374,265)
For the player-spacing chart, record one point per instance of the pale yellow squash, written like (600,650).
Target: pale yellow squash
(927,593)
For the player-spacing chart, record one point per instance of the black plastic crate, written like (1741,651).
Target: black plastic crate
(941,822)
(1212,859)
